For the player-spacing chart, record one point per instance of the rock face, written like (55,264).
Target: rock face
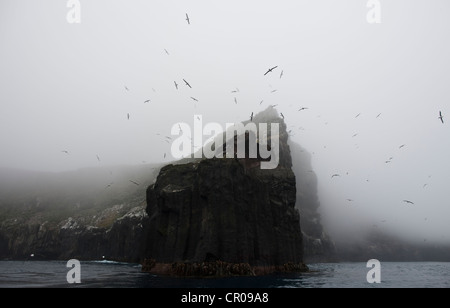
(225,209)
(77,238)
(318,246)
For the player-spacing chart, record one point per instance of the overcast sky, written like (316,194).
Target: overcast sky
(62,88)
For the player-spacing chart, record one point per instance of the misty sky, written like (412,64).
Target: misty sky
(62,87)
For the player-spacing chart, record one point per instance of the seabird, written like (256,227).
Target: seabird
(251,117)
(135,183)
(355,135)
(281,75)
(357,115)
(350,200)
(378,115)
(335,175)
(303,108)
(282,115)
(407,201)
(441,117)
(402,146)
(261,102)
(128,116)
(188,19)
(67,152)
(126,88)
(176,85)
(147,101)
(270,70)
(187,83)
(193,98)
(98,158)
(235,100)
(166,51)
(274,91)
(165,155)
(235,91)
(425,185)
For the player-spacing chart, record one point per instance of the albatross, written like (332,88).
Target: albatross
(441,117)
(187,83)
(270,70)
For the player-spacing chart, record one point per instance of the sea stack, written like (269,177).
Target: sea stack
(225,216)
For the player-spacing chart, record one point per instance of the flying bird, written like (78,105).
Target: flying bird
(67,152)
(166,51)
(281,75)
(378,115)
(335,175)
(165,155)
(407,201)
(270,70)
(251,117)
(188,19)
(235,91)
(261,102)
(350,200)
(441,117)
(282,115)
(128,116)
(235,100)
(109,185)
(187,83)
(193,98)
(303,108)
(126,88)
(176,85)
(274,91)
(355,135)
(98,158)
(135,183)
(357,115)
(147,101)
(402,146)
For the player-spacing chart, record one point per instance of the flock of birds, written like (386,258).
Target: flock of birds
(269,71)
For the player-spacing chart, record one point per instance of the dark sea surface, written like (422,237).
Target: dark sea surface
(107,274)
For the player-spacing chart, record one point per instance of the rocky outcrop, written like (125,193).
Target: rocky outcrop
(77,238)
(317,244)
(226,210)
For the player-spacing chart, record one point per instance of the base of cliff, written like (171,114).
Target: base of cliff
(217,269)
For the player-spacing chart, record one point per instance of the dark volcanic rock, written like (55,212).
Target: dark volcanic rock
(225,209)
(218,208)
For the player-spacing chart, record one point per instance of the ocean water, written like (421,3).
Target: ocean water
(106,274)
